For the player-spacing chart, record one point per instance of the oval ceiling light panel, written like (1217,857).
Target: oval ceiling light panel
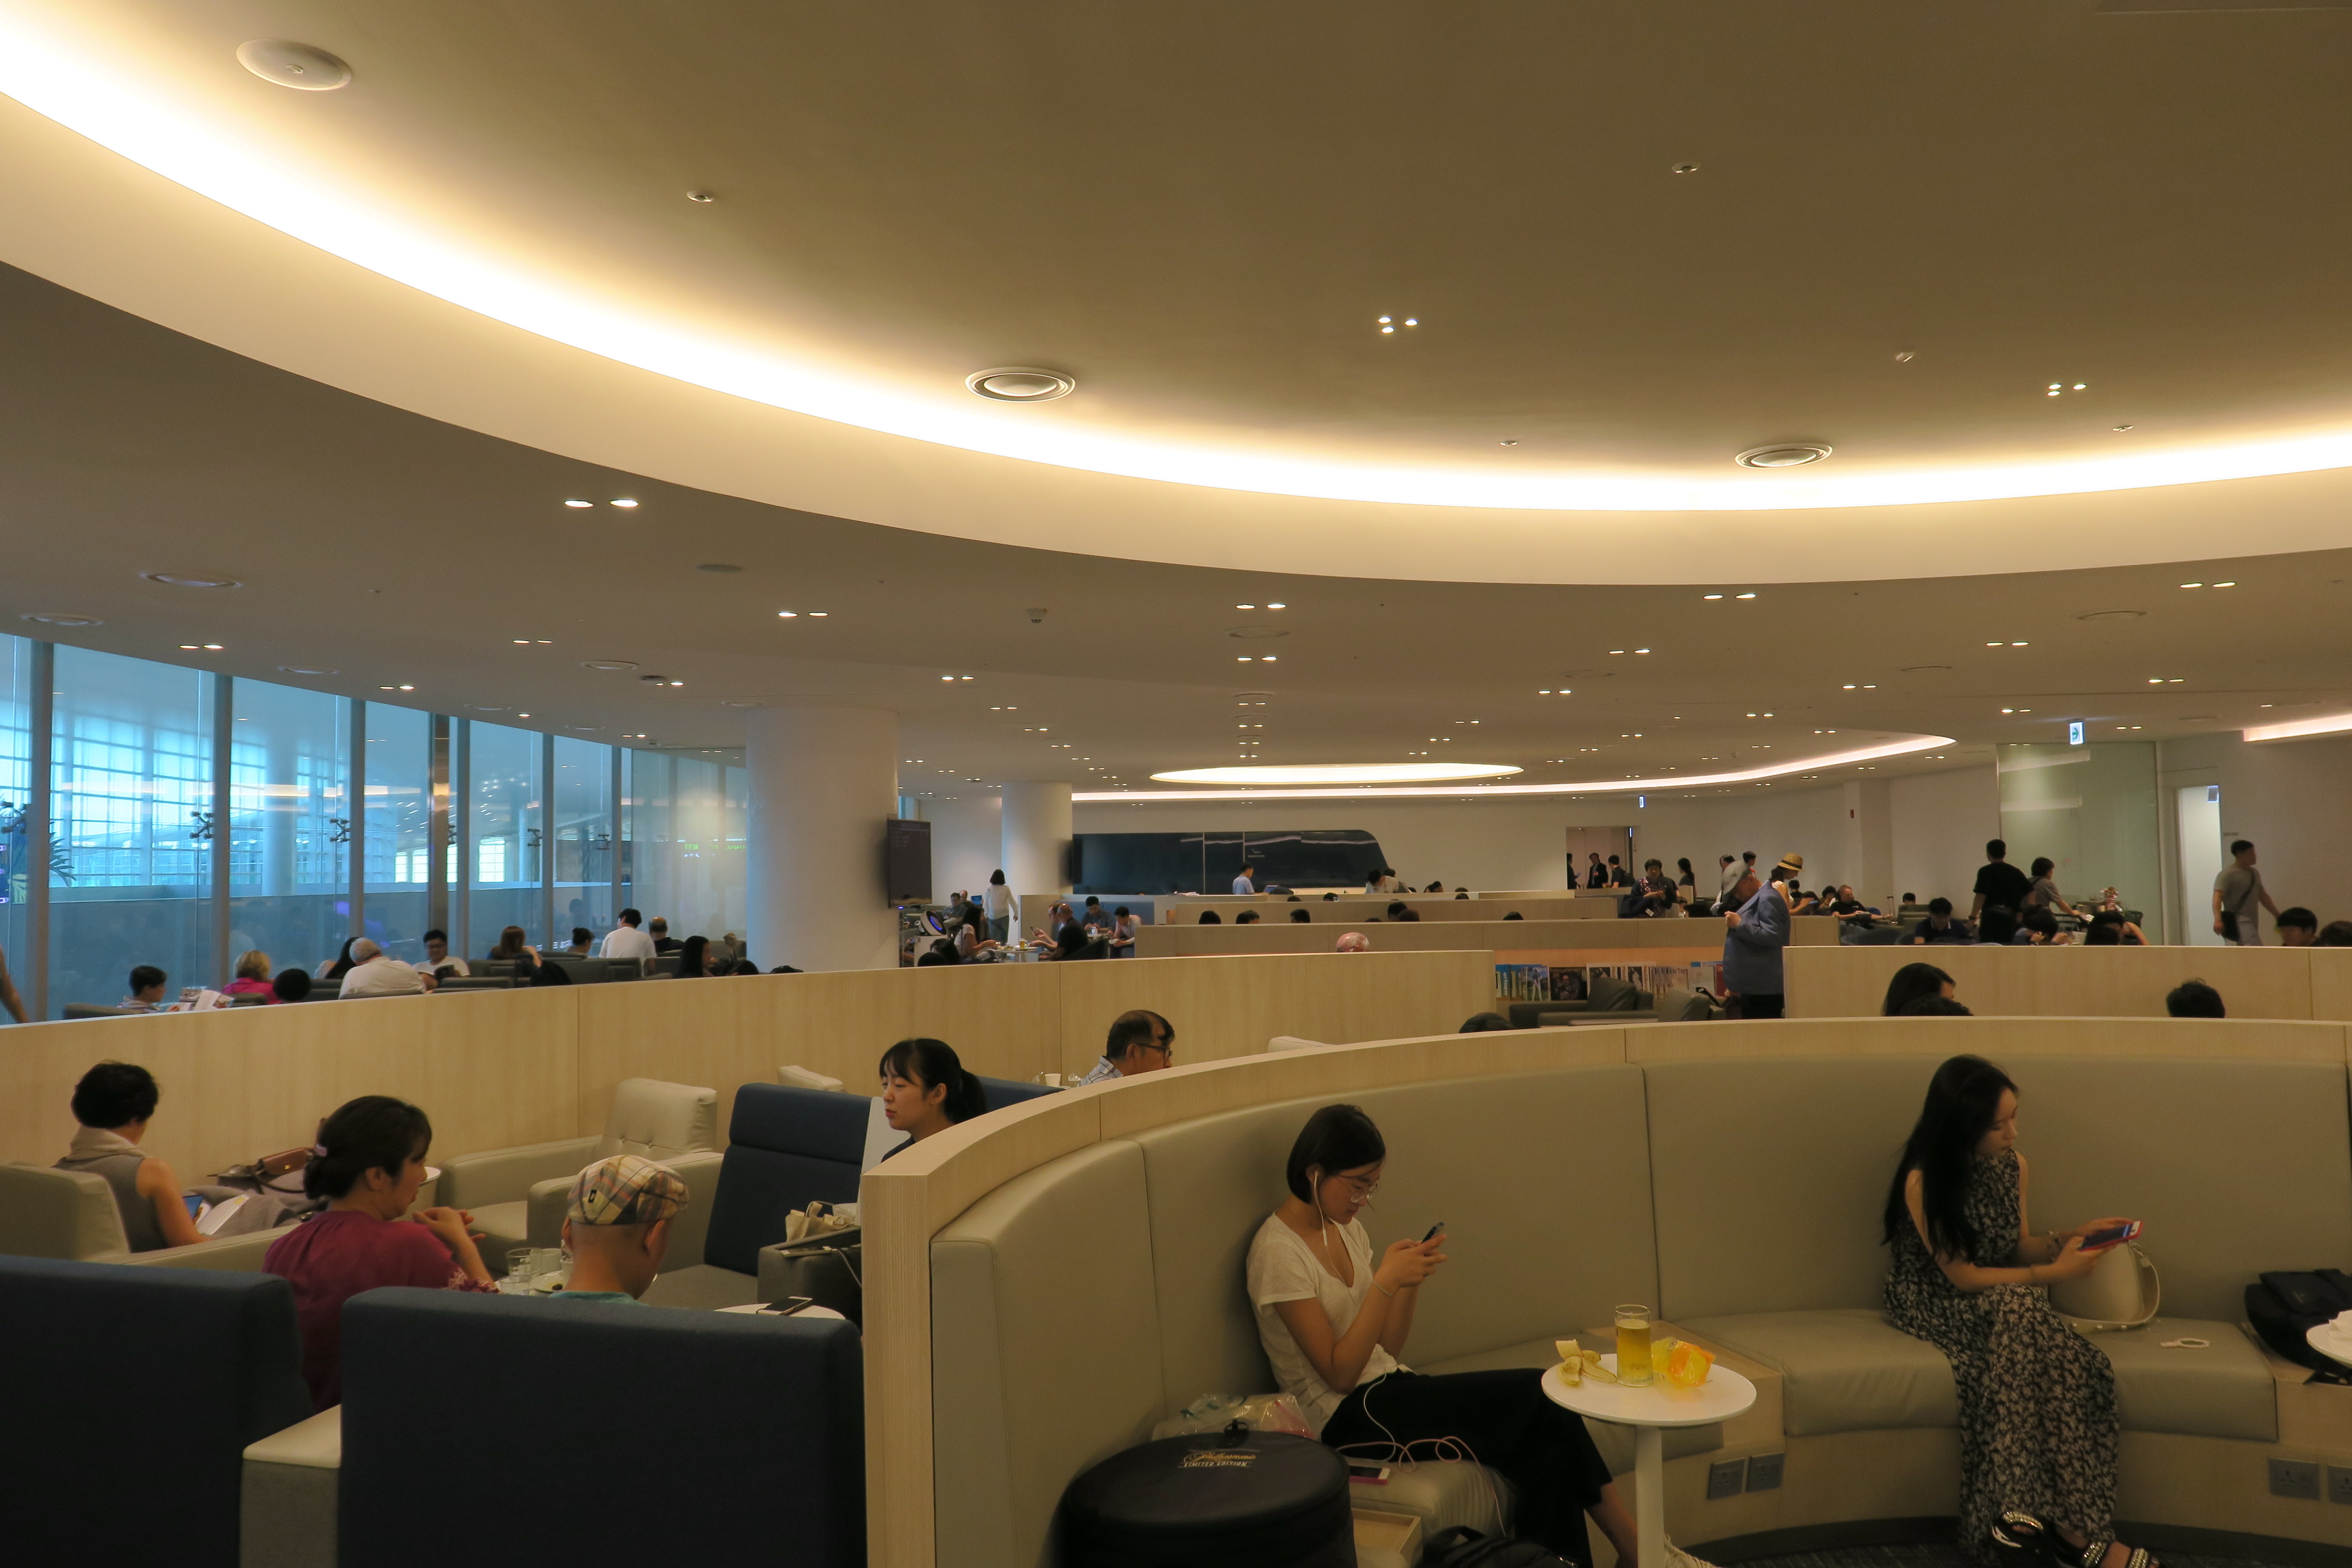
(607,664)
(64,620)
(1783,455)
(1341,773)
(1020,383)
(298,66)
(300,670)
(190,580)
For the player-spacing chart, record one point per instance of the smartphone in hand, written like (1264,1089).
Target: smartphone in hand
(2110,1237)
(1433,1233)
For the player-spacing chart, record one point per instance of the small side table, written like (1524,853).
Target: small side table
(1649,1410)
(2324,1339)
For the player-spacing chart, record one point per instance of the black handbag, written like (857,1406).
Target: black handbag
(829,1270)
(2285,1305)
(1463,1547)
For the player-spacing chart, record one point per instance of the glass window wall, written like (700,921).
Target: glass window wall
(583,839)
(506,830)
(18,861)
(399,819)
(131,801)
(687,819)
(289,866)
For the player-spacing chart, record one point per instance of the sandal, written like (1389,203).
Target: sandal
(2022,1536)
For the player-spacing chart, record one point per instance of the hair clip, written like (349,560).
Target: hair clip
(318,1150)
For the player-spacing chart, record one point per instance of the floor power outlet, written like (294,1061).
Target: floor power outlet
(1764,1471)
(1727,1477)
(2339,1485)
(2295,1478)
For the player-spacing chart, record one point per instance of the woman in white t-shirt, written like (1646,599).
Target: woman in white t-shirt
(997,900)
(1334,1322)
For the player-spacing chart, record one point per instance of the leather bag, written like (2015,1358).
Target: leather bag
(2121,1292)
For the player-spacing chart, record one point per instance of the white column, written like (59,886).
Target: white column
(1868,861)
(822,781)
(1037,830)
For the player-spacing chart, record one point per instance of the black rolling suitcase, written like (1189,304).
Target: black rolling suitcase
(1231,1499)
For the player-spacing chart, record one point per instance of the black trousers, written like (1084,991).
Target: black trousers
(1774,1006)
(1504,1418)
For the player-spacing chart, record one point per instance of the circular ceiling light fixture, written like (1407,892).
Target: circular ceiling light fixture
(2111,615)
(190,580)
(1020,383)
(1341,773)
(64,620)
(1783,455)
(298,669)
(607,664)
(301,66)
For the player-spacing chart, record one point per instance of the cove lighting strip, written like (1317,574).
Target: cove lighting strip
(1490,791)
(2293,729)
(81,89)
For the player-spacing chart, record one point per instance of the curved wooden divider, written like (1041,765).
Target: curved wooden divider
(1834,982)
(908,1200)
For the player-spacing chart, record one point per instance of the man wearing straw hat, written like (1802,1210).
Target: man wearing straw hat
(1753,936)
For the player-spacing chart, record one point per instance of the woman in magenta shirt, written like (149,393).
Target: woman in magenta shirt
(369,1163)
(252,977)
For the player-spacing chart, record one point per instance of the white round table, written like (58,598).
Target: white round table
(2324,1339)
(809,1311)
(1649,1410)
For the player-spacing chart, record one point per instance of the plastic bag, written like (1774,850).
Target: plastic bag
(1215,1412)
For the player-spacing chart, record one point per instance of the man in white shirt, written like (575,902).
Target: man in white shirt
(1140,1042)
(437,962)
(626,941)
(1242,884)
(375,975)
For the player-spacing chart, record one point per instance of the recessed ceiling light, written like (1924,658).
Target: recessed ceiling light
(189,580)
(1710,595)
(289,63)
(2121,428)
(624,502)
(1510,443)
(298,670)
(1743,595)
(1693,169)
(702,198)
(1272,605)
(576,503)
(212,648)
(2232,584)
(61,619)
(1783,455)
(2192,584)
(188,648)
(1020,384)
(607,664)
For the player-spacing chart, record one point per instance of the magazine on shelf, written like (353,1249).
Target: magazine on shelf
(1522,983)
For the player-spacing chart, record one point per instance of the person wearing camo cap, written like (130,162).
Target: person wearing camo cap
(617,1228)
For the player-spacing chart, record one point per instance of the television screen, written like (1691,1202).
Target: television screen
(906,862)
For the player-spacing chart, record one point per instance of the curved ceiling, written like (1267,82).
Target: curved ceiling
(1902,230)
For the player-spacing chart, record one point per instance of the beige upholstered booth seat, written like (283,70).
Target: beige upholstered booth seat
(516,1196)
(49,1213)
(1722,1174)
(1066,1354)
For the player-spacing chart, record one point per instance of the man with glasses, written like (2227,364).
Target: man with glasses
(1141,1042)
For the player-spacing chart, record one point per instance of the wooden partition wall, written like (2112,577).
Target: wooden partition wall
(2080,982)
(1512,942)
(495,1069)
(1431,907)
(920,1192)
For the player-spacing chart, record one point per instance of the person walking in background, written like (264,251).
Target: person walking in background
(2239,899)
(997,901)
(2000,889)
(1753,937)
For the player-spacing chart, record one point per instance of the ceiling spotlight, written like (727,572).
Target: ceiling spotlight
(1020,384)
(1743,595)
(64,620)
(1710,595)
(187,648)
(579,503)
(1693,169)
(2121,428)
(408,689)
(1272,605)
(1388,329)
(625,503)
(1510,443)
(2232,584)
(2080,387)
(819,615)
(703,198)
(186,580)
(1783,455)
(297,66)
(2192,584)
(1245,606)
(1906,357)
(788,614)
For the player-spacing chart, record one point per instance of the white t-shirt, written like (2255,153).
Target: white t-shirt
(997,898)
(1244,885)
(1283,1268)
(626,942)
(381,976)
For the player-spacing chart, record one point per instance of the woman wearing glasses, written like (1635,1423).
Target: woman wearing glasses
(1334,1321)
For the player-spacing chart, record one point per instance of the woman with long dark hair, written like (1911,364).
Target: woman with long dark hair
(1334,1319)
(925,1089)
(367,1164)
(2038,1428)
(694,958)
(1912,981)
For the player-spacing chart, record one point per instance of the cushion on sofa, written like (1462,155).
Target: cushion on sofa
(2222,1391)
(1842,1369)
(786,1148)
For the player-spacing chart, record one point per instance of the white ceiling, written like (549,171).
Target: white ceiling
(1199,214)
(394,549)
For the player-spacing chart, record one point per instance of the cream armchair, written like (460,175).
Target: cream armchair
(49,1213)
(517,1195)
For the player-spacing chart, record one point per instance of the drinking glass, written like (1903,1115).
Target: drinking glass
(519,1265)
(1633,1344)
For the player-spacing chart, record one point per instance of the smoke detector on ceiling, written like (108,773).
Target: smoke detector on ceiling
(1020,383)
(1783,455)
(298,66)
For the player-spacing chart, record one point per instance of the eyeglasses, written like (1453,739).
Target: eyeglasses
(1361,1186)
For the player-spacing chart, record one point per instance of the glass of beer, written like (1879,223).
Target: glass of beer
(1633,1344)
